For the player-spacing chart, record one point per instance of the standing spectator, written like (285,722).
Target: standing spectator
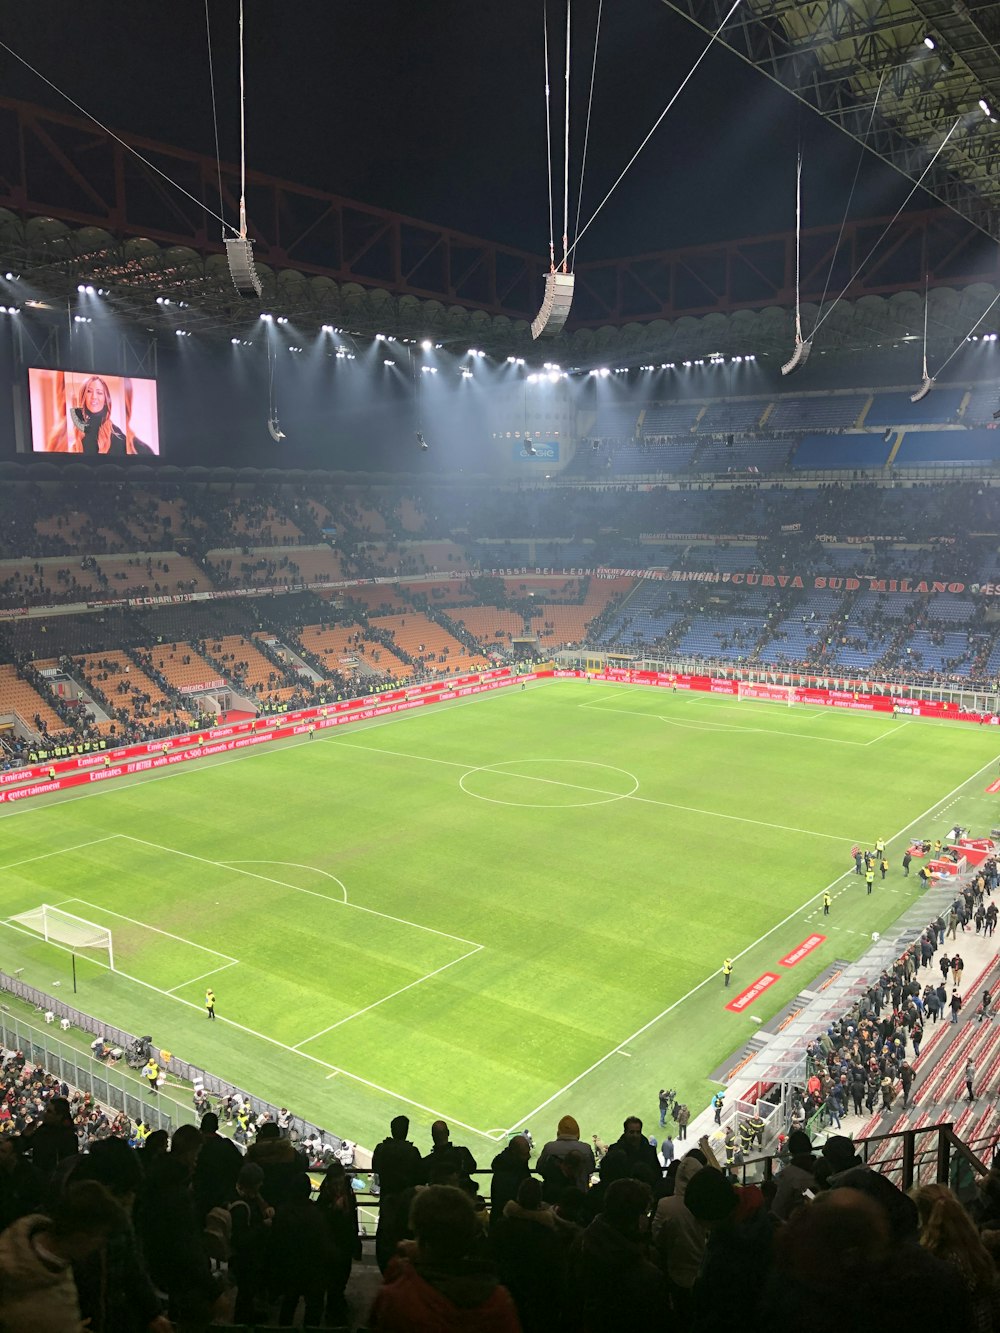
(986,1007)
(799,1175)
(970,1074)
(447,1162)
(531,1242)
(248,1262)
(568,1141)
(955,1005)
(53,1138)
(398,1165)
(440,1285)
(683,1120)
(21,1183)
(280,1161)
(216,1169)
(907,1075)
(957,968)
(300,1252)
(612,1284)
(338,1207)
(907,858)
(666,1097)
(510,1169)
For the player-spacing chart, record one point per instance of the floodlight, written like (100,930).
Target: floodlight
(388,361)
(282,319)
(265,315)
(235,341)
(427,345)
(930,43)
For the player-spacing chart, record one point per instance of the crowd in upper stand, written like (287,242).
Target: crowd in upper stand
(846,532)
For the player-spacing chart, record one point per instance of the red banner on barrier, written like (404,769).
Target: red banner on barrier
(806,947)
(750,994)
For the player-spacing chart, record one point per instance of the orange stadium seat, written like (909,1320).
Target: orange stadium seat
(422,638)
(336,648)
(17,696)
(108,670)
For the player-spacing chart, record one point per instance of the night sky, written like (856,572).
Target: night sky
(436,109)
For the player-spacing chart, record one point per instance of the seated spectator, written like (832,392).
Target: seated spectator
(37,1290)
(612,1284)
(441,1284)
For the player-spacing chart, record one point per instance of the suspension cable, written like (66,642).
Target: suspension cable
(215,112)
(798,248)
(684,83)
(548,137)
(565,239)
(586,132)
(850,200)
(960,345)
(243,139)
(916,186)
(112,135)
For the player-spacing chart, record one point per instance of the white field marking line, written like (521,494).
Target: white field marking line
(369,1007)
(59,852)
(697,724)
(296,865)
(297,888)
(234,963)
(750,947)
(186,770)
(95,907)
(894,730)
(599,791)
(271,1041)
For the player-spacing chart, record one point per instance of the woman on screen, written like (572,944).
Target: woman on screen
(95,432)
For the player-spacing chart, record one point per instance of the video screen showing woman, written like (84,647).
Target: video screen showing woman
(76,413)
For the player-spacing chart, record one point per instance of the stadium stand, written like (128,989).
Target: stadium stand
(834,411)
(897,409)
(940,447)
(20,698)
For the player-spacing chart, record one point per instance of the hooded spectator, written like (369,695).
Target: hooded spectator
(612,1283)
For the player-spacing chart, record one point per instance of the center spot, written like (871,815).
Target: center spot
(549,783)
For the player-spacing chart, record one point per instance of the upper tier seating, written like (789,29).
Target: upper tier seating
(732,416)
(926,448)
(982,402)
(276,566)
(837,411)
(742,455)
(671,418)
(428,643)
(339,647)
(818,452)
(896,409)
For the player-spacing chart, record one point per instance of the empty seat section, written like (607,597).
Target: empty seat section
(833,411)
(896,409)
(948,446)
(17,696)
(819,452)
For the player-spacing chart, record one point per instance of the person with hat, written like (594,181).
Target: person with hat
(566,1141)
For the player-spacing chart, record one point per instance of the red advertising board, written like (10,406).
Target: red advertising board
(802,950)
(752,992)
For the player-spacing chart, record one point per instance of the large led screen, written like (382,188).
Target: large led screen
(77,413)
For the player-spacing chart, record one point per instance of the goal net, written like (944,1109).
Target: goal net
(775,694)
(66,930)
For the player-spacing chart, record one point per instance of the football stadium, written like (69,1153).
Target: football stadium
(499,667)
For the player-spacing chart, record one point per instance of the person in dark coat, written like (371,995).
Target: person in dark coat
(447,1163)
(530,1243)
(636,1146)
(53,1138)
(216,1169)
(280,1161)
(338,1206)
(612,1284)
(738,1255)
(21,1183)
(301,1250)
(510,1167)
(398,1164)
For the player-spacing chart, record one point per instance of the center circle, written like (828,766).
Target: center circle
(584,782)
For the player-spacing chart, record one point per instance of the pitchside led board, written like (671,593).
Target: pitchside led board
(76,412)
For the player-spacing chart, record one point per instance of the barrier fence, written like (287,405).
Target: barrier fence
(26,1037)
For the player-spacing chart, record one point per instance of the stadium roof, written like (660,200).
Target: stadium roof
(895,74)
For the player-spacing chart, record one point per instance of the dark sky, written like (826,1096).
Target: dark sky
(436,109)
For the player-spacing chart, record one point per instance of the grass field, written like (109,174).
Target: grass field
(498,911)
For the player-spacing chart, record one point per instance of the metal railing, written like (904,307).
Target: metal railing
(179,1069)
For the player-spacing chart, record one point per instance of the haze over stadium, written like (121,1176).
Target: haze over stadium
(445,702)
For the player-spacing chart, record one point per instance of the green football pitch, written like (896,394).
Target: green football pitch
(497,911)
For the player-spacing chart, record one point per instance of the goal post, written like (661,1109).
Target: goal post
(775,694)
(67,931)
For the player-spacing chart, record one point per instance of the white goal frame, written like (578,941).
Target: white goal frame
(66,931)
(761,692)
